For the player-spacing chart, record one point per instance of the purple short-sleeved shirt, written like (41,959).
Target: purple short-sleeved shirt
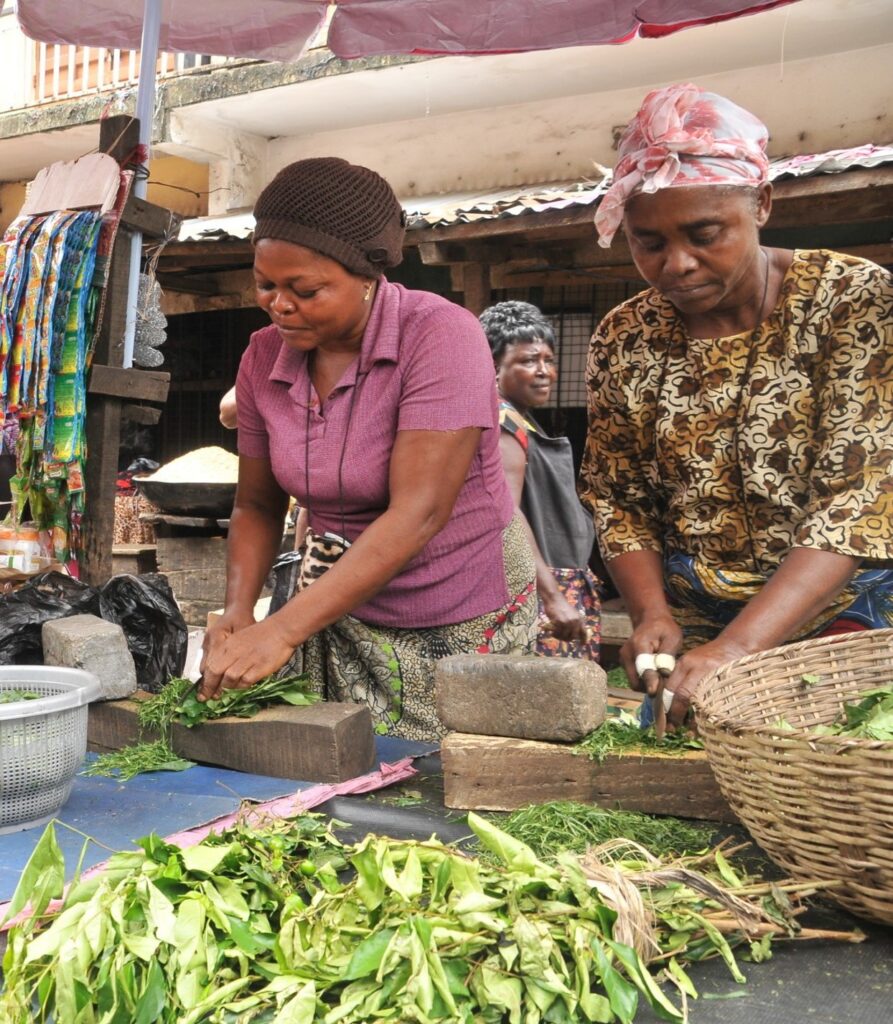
(424,365)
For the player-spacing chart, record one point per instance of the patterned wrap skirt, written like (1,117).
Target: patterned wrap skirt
(579,588)
(705,600)
(391,670)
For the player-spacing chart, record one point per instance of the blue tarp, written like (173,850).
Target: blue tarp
(117,813)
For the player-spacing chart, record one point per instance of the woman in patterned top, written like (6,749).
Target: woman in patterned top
(741,437)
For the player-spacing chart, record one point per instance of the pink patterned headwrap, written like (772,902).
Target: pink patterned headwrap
(682,135)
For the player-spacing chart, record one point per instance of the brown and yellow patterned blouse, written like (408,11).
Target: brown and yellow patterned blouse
(691,449)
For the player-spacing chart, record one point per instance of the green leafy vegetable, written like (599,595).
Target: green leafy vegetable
(13,696)
(564,825)
(136,759)
(245,703)
(178,702)
(233,930)
(622,733)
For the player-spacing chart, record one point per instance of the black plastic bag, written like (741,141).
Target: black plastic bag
(51,595)
(145,608)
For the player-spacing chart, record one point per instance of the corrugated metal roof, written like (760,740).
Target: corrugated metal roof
(466,207)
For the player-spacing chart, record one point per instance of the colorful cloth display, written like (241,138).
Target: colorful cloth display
(46,341)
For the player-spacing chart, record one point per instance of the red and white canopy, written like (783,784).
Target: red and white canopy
(281,29)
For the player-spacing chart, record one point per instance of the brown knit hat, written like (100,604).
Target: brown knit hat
(341,210)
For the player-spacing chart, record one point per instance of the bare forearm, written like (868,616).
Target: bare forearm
(803,586)
(254,539)
(638,575)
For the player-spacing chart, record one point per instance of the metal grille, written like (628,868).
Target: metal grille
(575,311)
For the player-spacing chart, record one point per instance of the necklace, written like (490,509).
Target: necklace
(739,401)
(360,377)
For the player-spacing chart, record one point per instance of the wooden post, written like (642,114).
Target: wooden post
(476,279)
(118,136)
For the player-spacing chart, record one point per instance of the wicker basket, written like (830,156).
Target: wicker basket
(820,806)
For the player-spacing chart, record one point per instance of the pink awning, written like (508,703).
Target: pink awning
(280,29)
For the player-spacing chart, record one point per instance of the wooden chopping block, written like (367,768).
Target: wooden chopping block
(502,774)
(325,742)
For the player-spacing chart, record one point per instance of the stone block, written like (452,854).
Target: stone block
(91,643)
(560,699)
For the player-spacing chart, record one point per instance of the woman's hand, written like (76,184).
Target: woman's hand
(655,634)
(565,622)
(694,666)
(237,659)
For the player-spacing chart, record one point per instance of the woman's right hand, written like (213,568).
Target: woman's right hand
(219,631)
(654,634)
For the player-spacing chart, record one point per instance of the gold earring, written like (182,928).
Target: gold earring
(368,294)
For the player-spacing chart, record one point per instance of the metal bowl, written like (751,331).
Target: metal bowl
(186,499)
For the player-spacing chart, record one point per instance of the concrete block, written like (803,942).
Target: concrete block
(532,698)
(91,643)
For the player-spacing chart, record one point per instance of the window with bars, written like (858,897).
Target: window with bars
(575,311)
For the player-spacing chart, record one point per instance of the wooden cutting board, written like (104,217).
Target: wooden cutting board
(501,774)
(325,742)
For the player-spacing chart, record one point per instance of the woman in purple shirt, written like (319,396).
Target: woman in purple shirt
(375,407)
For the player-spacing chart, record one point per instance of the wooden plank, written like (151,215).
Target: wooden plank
(326,742)
(153,221)
(147,414)
(137,385)
(500,774)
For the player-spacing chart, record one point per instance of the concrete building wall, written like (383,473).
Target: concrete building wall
(809,106)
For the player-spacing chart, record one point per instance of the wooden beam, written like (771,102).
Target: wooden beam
(189,284)
(153,221)
(186,251)
(148,415)
(116,382)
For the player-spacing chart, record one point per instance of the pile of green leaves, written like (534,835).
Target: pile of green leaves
(13,696)
(286,926)
(621,733)
(178,703)
(870,719)
(550,828)
(243,703)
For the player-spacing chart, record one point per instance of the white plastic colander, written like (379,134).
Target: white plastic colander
(42,741)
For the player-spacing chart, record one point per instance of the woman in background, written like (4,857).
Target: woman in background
(541,476)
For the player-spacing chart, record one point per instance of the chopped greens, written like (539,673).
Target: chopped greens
(13,696)
(136,759)
(621,733)
(564,825)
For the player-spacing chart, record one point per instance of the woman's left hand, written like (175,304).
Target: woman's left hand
(692,667)
(244,658)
